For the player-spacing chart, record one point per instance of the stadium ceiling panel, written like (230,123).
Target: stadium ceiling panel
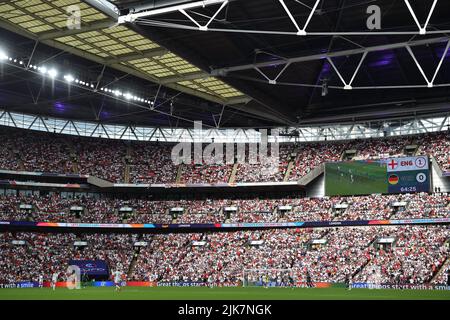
(100,39)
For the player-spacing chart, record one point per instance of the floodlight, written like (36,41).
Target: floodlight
(3,55)
(52,73)
(69,78)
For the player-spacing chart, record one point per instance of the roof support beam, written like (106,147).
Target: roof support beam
(186,77)
(348,86)
(158,52)
(321,56)
(204,27)
(430,83)
(69,32)
(186,6)
(300,32)
(422,30)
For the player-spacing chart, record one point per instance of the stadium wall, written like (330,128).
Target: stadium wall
(438,179)
(316,189)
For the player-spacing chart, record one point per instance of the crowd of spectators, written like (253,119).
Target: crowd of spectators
(213,167)
(34,151)
(368,207)
(416,255)
(345,252)
(311,155)
(425,206)
(45,254)
(382,148)
(152,163)
(101,158)
(265,167)
(309,209)
(164,252)
(205,173)
(55,208)
(438,145)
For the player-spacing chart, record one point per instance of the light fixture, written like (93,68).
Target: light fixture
(3,55)
(324,88)
(52,73)
(69,78)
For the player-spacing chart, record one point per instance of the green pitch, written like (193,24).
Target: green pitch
(368,178)
(203,293)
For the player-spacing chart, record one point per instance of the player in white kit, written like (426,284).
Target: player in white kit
(54,280)
(117,279)
(41,281)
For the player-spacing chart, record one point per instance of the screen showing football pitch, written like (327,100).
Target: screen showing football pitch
(394,175)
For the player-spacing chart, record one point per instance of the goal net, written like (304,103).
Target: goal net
(269,278)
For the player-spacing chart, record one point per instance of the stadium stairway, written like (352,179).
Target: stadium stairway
(287,174)
(232,178)
(16,154)
(179,173)
(441,270)
(128,161)
(220,213)
(182,256)
(73,156)
(275,212)
(126,174)
(134,261)
(363,266)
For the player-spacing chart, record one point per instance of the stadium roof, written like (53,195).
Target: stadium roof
(236,66)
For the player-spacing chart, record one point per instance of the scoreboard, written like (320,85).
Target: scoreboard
(411,174)
(391,175)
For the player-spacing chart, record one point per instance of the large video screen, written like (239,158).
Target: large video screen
(91,267)
(393,175)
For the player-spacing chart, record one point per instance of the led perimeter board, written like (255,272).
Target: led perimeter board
(392,175)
